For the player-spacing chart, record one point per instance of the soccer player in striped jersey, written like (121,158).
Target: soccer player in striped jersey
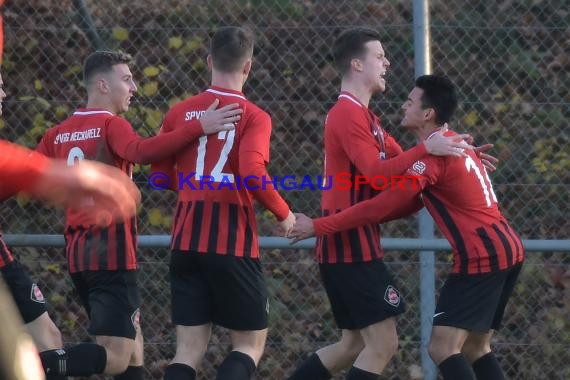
(102,261)
(488,253)
(215,270)
(33,173)
(363,295)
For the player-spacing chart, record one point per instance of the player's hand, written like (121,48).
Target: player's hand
(440,145)
(304,228)
(488,161)
(102,192)
(286,225)
(223,119)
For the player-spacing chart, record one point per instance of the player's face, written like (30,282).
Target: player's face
(414,113)
(2,93)
(121,87)
(375,66)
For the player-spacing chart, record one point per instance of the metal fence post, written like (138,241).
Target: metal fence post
(422,56)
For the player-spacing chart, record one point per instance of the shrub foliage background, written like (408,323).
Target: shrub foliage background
(510,60)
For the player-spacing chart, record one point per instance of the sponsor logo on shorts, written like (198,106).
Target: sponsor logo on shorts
(267,306)
(36,294)
(136,318)
(392,296)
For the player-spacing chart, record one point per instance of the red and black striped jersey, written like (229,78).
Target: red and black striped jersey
(91,134)
(218,216)
(459,195)
(96,134)
(356,144)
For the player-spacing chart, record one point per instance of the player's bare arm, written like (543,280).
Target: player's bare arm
(223,119)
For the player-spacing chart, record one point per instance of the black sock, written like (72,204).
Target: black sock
(487,368)
(179,371)
(312,368)
(456,367)
(82,360)
(132,373)
(56,377)
(360,374)
(236,366)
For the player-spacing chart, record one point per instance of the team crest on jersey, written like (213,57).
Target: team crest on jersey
(36,294)
(419,167)
(392,296)
(136,318)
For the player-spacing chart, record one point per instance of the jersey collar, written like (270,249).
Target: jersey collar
(348,96)
(226,92)
(92,111)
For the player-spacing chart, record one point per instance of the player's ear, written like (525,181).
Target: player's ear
(102,84)
(429,114)
(247,67)
(356,64)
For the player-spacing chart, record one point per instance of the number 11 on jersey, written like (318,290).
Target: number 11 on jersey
(487,190)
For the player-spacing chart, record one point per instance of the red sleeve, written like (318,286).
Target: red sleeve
(362,152)
(399,201)
(21,168)
(167,165)
(128,145)
(253,156)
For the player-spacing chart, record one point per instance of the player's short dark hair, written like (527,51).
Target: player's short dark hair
(350,44)
(230,47)
(102,62)
(439,94)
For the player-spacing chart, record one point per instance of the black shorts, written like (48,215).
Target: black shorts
(361,294)
(475,302)
(111,300)
(226,290)
(27,295)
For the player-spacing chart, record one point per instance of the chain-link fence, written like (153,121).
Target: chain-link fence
(510,60)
